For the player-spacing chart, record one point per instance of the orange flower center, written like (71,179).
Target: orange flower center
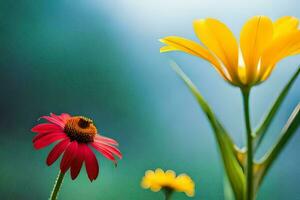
(80,129)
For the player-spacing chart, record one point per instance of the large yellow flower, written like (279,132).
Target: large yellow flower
(263,43)
(158,179)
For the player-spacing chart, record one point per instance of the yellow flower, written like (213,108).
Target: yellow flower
(158,179)
(263,43)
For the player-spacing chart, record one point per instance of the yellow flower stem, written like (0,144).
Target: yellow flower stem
(168,193)
(249,167)
(57,186)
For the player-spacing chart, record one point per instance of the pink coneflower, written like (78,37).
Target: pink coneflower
(75,136)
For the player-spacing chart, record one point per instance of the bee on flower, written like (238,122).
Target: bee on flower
(168,182)
(76,136)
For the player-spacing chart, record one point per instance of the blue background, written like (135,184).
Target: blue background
(101,59)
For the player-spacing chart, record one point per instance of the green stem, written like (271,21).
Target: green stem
(249,168)
(168,193)
(57,186)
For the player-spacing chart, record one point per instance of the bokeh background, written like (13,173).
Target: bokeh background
(101,59)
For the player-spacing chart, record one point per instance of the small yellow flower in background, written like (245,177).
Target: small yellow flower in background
(168,182)
(263,43)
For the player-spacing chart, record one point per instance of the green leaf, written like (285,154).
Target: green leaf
(260,132)
(228,193)
(226,146)
(287,132)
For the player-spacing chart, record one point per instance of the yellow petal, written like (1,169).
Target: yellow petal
(167,49)
(159,172)
(190,193)
(281,47)
(255,35)
(170,174)
(145,183)
(155,187)
(266,73)
(285,25)
(296,52)
(188,46)
(221,41)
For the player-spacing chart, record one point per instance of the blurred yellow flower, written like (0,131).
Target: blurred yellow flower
(263,43)
(158,179)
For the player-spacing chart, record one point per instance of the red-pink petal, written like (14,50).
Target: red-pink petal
(40,135)
(69,154)
(48,139)
(57,151)
(45,128)
(65,117)
(54,121)
(104,152)
(110,148)
(77,161)
(56,117)
(91,163)
(106,140)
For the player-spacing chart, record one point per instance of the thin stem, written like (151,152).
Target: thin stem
(168,193)
(249,168)
(57,186)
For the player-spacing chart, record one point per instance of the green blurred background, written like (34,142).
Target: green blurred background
(101,59)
